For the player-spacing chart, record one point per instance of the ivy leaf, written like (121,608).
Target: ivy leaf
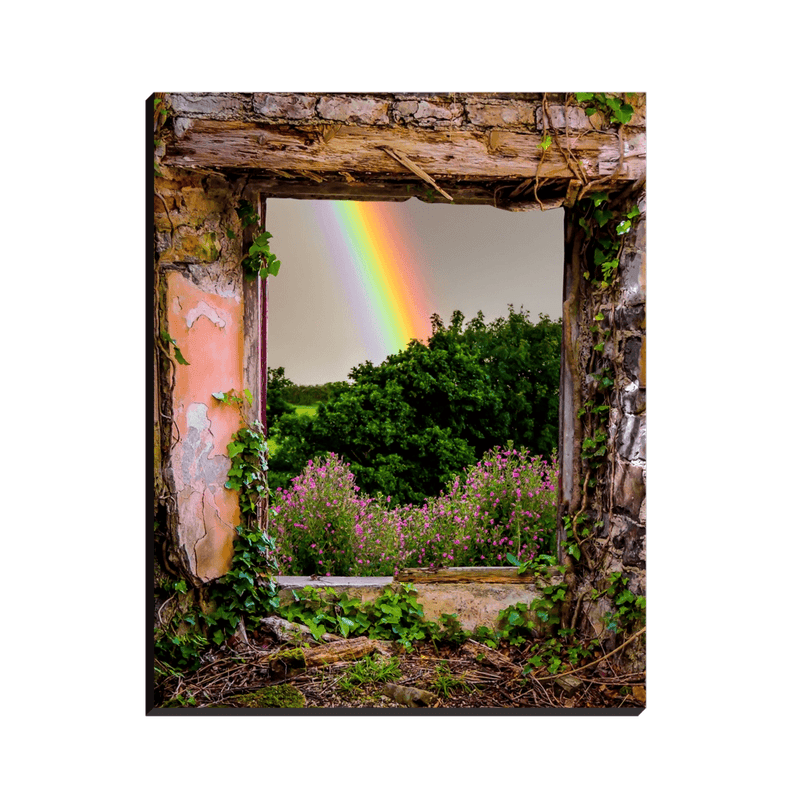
(249,395)
(623,227)
(634,212)
(582,97)
(623,114)
(602,215)
(599,197)
(179,356)
(574,551)
(221,396)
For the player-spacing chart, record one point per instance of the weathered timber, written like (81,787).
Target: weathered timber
(329,653)
(346,650)
(358,150)
(499,194)
(466,575)
(395,190)
(408,695)
(286,631)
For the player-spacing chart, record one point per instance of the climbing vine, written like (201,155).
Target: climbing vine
(259,261)
(618,109)
(604,223)
(247,591)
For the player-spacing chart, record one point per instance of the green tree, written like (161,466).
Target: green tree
(277,404)
(408,425)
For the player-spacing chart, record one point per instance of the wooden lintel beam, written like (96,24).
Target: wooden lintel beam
(360,151)
(379,191)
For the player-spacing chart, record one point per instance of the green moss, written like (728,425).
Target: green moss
(282,696)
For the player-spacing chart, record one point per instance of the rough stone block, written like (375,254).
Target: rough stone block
(633,272)
(628,538)
(285,106)
(500,115)
(629,488)
(222,106)
(575,117)
(630,318)
(631,352)
(360,110)
(426,114)
(633,399)
(404,110)
(631,438)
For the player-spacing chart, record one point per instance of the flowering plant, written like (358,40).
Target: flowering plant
(504,504)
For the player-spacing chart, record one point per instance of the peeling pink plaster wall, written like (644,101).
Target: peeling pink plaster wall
(209,330)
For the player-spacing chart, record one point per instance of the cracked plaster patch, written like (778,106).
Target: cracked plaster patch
(203,309)
(198,468)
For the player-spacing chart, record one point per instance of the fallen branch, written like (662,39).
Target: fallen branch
(326,654)
(409,164)
(597,661)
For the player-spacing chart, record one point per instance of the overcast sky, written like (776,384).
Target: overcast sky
(471,257)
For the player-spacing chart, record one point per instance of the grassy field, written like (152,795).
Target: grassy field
(303,411)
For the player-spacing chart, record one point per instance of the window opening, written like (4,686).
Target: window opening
(359,281)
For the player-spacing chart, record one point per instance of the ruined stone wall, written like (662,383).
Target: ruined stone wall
(480,149)
(610,498)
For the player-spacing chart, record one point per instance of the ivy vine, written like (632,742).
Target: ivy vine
(259,261)
(605,222)
(618,109)
(247,591)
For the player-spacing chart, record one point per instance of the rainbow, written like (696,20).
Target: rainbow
(371,247)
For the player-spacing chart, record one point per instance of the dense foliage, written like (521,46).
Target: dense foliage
(505,504)
(298,394)
(409,425)
(278,402)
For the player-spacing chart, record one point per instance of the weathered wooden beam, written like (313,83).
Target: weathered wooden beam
(360,151)
(467,575)
(379,191)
